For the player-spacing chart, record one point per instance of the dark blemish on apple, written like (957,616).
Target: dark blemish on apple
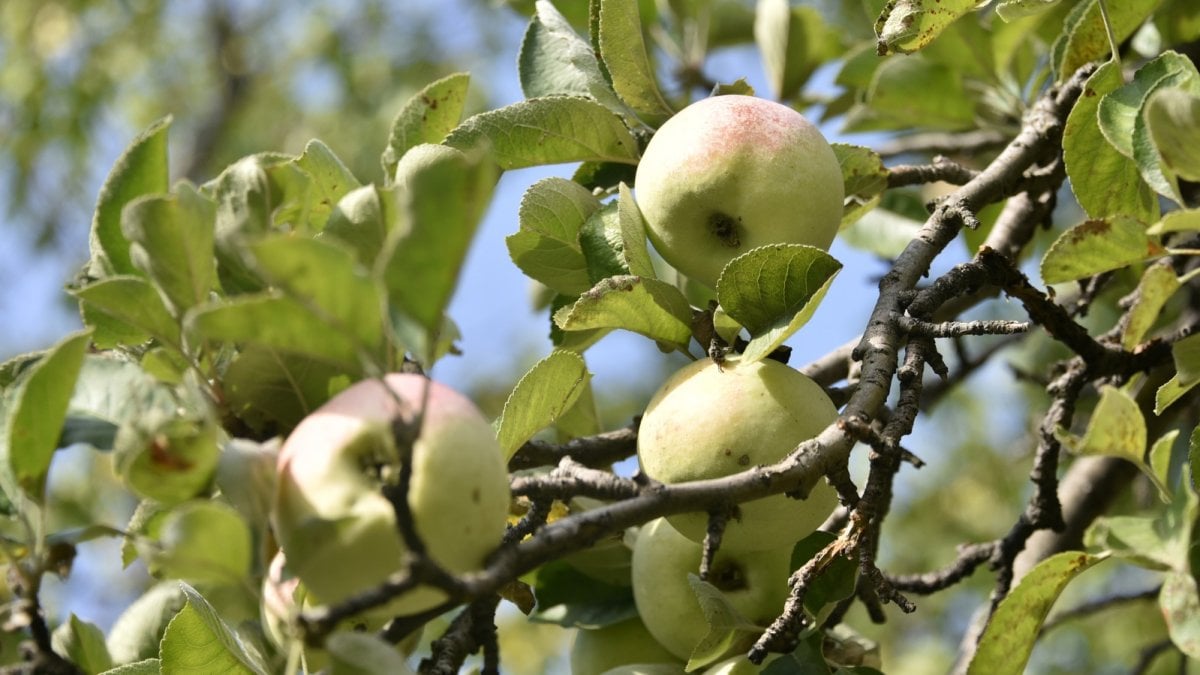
(744,460)
(727,576)
(161,455)
(724,227)
(475,495)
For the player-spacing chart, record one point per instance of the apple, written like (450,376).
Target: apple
(731,173)
(709,421)
(647,669)
(739,665)
(338,530)
(598,650)
(754,583)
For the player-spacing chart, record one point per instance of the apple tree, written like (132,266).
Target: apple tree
(256,348)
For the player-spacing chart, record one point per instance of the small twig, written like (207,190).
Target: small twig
(572,479)
(970,557)
(1098,605)
(942,170)
(968,143)
(947,329)
(717,520)
(1148,654)
(596,451)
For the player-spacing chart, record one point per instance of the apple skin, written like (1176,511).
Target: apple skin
(599,650)
(731,173)
(708,422)
(334,524)
(755,583)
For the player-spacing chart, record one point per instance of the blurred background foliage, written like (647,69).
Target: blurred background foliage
(78,79)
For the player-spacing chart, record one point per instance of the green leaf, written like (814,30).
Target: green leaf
(541,396)
(1096,246)
(1186,354)
(546,247)
(171,240)
(570,598)
(1116,429)
(198,641)
(201,541)
(633,234)
(165,457)
(82,644)
(1160,462)
(36,413)
(108,393)
(1008,640)
(882,232)
(649,307)
(126,310)
(426,118)
(603,244)
(358,220)
(141,170)
(1157,285)
(725,624)
(143,667)
(906,26)
(1105,182)
(623,51)
(1123,120)
(1171,391)
(1180,605)
(548,130)
(865,179)
(914,91)
(244,206)
(277,323)
(1173,120)
(576,341)
(1193,463)
(354,653)
(1011,10)
(555,60)
(1084,38)
(330,179)
(793,42)
(328,281)
(774,290)
(271,391)
(1183,220)
(136,634)
(440,196)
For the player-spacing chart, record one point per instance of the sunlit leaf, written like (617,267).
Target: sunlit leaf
(548,130)
(1157,285)
(725,624)
(1181,608)
(330,178)
(1011,10)
(1117,428)
(272,391)
(914,92)
(774,290)
(1183,220)
(355,653)
(546,247)
(1097,246)
(603,244)
(646,306)
(623,51)
(141,170)
(864,177)
(555,60)
(136,633)
(1084,38)
(36,414)
(126,310)
(171,240)
(439,199)
(905,26)
(426,118)
(1105,182)
(633,234)
(82,643)
(542,395)
(198,641)
(1008,640)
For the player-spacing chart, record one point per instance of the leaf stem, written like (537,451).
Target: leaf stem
(1108,30)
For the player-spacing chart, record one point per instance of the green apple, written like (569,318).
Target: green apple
(754,583)
(739,665)
(647,669)
(709,421)
(598,650)
(338,530)
(731,173)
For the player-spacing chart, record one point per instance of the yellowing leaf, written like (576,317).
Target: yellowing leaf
(905,26)
(541,396)
(1097,246)
(1116,429)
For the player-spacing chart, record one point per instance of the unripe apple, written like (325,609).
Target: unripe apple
(338,530)
(731,173)
(710,421)
(647,669)
(755,583)
(599,650)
